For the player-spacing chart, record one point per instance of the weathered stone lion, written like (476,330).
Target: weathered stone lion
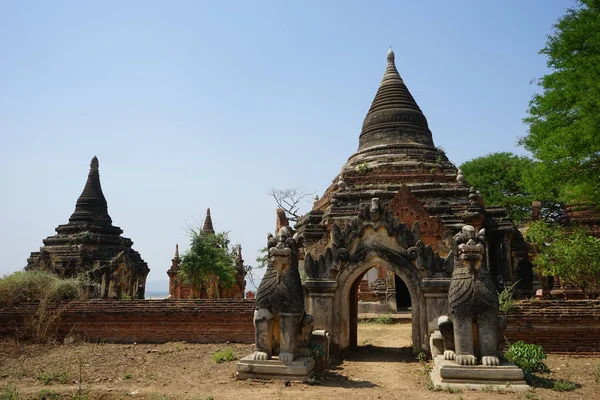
(281,324)
(472,298)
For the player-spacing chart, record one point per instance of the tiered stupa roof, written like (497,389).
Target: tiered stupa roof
(397,158)
(90,243)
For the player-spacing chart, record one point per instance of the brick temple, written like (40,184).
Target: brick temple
(178,289)
(89,244)
(392,212)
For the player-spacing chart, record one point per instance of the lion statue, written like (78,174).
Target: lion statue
(472,299)
(281,324)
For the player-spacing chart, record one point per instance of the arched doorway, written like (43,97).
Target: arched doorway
(346,298)
(401,296)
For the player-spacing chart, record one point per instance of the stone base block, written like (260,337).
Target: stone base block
(297,371)
(506,376)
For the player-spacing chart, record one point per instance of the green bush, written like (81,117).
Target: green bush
(224,355)
(527,356)
(23,286)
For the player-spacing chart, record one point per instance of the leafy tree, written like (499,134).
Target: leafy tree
(564,119)
(209,255)
(574,257)
(499,177)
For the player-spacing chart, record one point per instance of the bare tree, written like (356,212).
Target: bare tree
(289,199)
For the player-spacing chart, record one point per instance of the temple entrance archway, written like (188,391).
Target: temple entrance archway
(375,238)
(346,298)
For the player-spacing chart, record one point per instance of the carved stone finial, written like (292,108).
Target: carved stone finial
(176,251)
(391,56)
(460,178)
(94,164)
(341,183)
(316,198)
(208,224)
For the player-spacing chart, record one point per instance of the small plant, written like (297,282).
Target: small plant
(366,342)
(224,355)
(527,356)
(452,389)
(318,353)
(47,377)
(506,299)
(9,393)
(563,386)
(127,376)
(363,168)
(530,395)
(422,357)
(487,388)
(384,319)
(46,394)
(597,373)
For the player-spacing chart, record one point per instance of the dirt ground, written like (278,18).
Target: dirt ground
(382,368)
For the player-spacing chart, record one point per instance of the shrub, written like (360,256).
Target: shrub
(224,355)
(23,286)
(527,356)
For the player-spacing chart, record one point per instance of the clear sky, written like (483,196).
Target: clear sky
(193,104)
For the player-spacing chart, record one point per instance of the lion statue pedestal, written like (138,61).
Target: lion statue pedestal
(282,327)
(467,347)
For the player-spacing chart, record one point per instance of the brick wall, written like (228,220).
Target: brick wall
(558,326)
(146,321)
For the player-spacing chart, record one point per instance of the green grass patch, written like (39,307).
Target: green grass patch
(9,392)
(46,394)
(384,319)
(47,377)
(226,354)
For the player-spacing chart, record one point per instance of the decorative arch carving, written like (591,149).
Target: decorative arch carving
(348,247)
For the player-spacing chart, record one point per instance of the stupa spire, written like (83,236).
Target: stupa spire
(208,225)
(91,205)
(394,116)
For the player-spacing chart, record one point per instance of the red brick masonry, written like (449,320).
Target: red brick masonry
(558,326)
(564,326)
(147,321)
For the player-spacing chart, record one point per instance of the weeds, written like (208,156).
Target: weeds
(47,377)
(224,355)
(127,376)
(597,373)
(46,394)
(563,386)
(506,299)
(9,393)
(384,319)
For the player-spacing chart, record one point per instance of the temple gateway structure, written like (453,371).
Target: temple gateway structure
(396,205)
(90,244)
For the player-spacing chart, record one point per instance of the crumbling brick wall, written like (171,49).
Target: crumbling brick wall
(145,321)
(558,326)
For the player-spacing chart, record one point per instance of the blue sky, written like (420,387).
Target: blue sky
(192,104)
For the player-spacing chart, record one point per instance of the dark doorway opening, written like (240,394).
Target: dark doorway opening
(402,294)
